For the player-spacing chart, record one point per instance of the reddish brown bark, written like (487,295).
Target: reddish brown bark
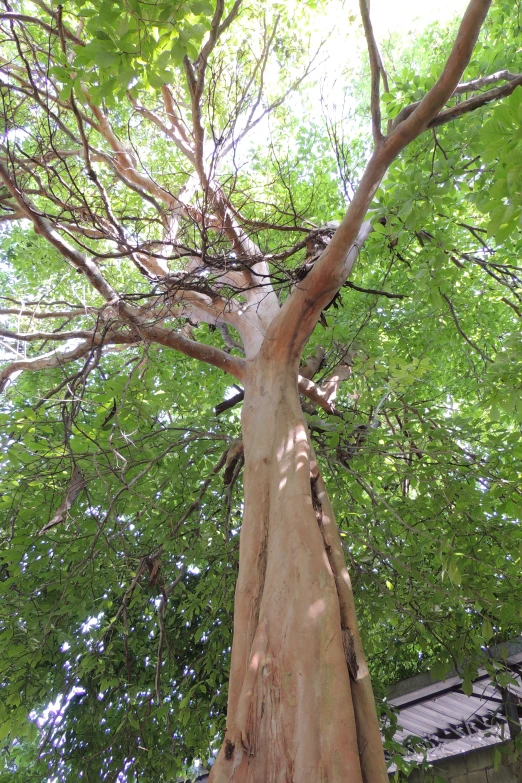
(291,714)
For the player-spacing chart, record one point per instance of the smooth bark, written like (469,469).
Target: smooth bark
(295,664)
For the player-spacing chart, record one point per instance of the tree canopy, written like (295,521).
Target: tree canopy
(145,145)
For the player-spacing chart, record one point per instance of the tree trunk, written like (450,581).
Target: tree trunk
(300,705)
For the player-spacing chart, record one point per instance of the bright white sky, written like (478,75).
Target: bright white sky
(400,15)
(388,16)
(340,26)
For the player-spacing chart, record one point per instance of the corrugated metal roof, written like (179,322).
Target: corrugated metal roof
(450,721)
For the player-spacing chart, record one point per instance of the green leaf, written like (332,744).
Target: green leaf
(467,687)
(487,630)
(454,572)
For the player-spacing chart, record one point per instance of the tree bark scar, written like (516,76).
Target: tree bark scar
(349,653)
(316,503)
(348,644)
(229,749)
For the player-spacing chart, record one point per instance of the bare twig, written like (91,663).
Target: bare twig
(461,330)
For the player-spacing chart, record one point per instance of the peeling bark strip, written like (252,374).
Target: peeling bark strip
(76,484)
(368,734)
(348,641)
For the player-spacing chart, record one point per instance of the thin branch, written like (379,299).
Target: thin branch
(475,103)
(171,133)
(269,109)
(375,67)
(374,291)
(76,484)
(13,17)
(43,227)
(228,339)
(462,332)
(31,337)
(513,306)
(513,79)
(172,339)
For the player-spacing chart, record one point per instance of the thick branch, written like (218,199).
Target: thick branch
(175,121)
(448,81)
(340,373)
(312,364)
(30,337)
(196,83)
(202,60)
(230,403)
(258,289)
(205,353)
(301,311)
(125,161)
(317,395)
(20,312)
(306,387)
(485,81)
